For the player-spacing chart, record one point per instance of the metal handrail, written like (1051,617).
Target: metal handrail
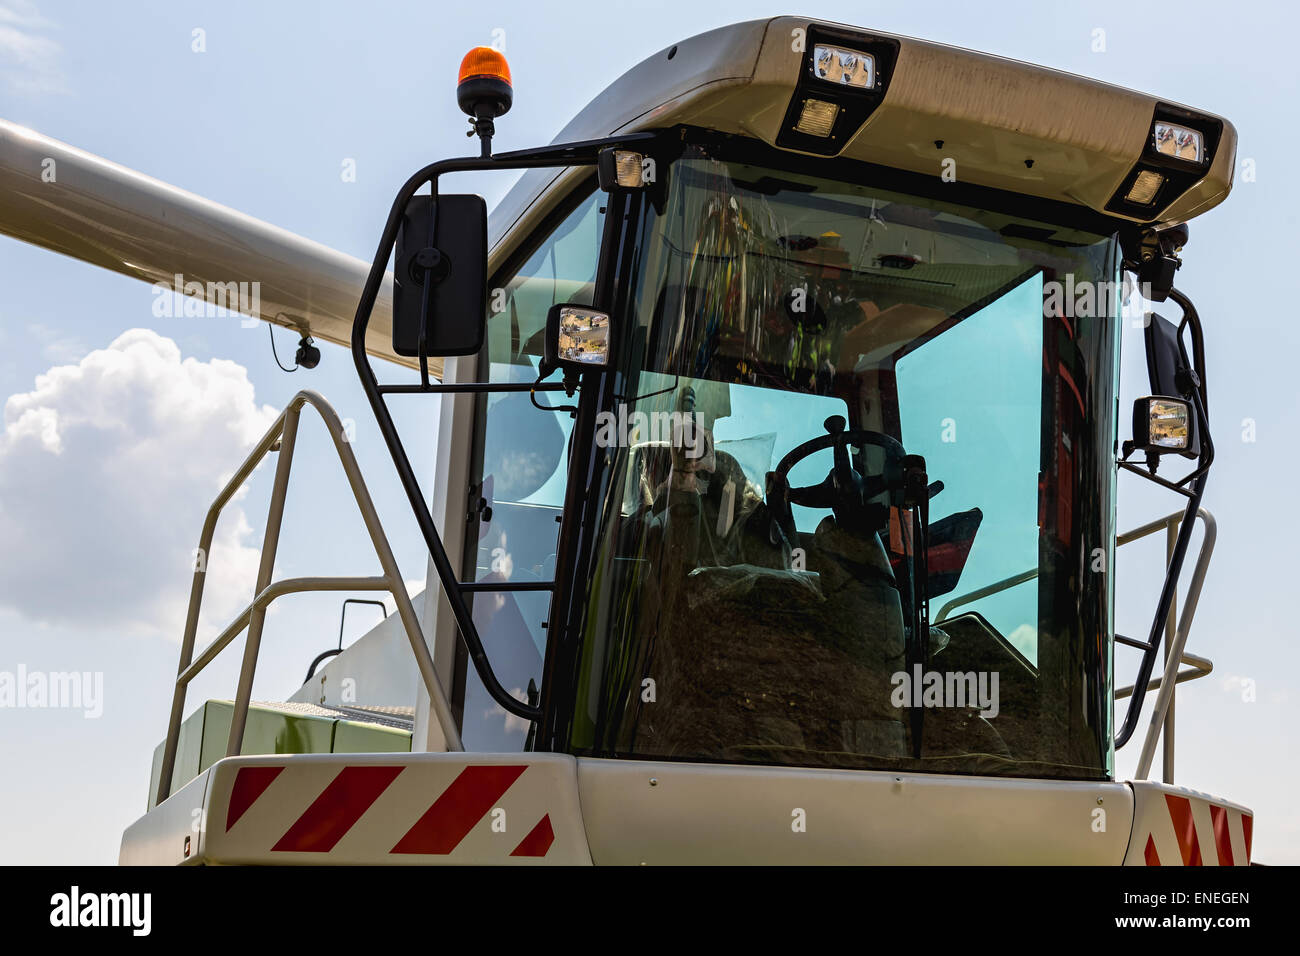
(1176,631)
(284,432)
(1201,667)
(343,616)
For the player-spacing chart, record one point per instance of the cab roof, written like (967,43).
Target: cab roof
(1005,124)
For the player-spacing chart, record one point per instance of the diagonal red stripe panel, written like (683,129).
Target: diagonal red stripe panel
(1153,858)
(1247,825)
(337,809)
(461,805)
(1180,811)
(538,841)
(250,783)
(1222,838)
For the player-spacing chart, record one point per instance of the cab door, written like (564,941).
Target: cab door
(518,469)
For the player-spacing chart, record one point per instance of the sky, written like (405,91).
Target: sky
(119,427)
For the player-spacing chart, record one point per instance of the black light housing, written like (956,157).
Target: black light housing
(850,105)
(1158,178)
(621,169)
(1164,426)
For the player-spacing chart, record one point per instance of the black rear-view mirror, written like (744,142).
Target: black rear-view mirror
(440,276)
(1164,422)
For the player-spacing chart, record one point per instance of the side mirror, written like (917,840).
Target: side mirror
(1164,426)
(1171,382)
(577,337)
(440,276)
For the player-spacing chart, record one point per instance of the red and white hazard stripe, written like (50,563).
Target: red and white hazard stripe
(1173,826)
(395,809)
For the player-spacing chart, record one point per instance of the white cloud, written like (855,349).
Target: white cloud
(106,470)
(28,60)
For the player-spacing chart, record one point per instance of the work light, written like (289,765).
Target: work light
(1178,142)
(817,118)
(1162,425)
(845,67)
(622,168)
(577,337)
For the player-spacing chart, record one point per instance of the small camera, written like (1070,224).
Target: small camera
(308,355)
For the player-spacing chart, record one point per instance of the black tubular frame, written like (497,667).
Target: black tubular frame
(1196,490)
(558,156)
(585,153)
(343,615)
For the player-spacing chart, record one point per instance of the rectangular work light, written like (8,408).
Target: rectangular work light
(845,67)
(817,118)
(1179,149)
(1179,142)
(622,168)
(1145,188)
(1162,425)
(841,79)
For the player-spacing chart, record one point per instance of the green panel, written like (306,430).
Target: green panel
(269,730)
(351,737)
(266,731)
(188,748)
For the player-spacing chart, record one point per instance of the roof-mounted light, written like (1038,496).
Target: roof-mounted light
(1145,188)
(846,67)
(817,117)
(841,80)
(1179,142)
(483,91)
(484,61)
(1179,150)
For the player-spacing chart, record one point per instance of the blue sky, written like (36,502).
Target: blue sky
(263,120)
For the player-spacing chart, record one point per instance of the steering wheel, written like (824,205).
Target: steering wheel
(846,491)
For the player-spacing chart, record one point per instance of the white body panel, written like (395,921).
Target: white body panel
(162,836)
(370,809)
(708,814)
(378,664)
(453,808)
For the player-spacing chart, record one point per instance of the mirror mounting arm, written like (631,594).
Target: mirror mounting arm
(1193,488)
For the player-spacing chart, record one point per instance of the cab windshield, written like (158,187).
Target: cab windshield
(795,348)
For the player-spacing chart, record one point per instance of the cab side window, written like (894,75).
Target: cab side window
(523,469)
(561,269)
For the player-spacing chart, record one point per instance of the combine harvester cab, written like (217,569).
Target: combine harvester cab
(776,480)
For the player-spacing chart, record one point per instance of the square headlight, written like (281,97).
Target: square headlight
(1162,425)
(577,337)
